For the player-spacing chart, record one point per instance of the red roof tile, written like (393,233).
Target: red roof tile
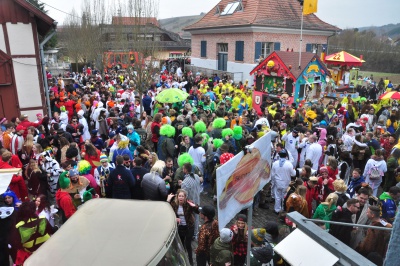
(271,13)
(134,21)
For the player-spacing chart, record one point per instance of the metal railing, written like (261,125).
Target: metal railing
(352,225)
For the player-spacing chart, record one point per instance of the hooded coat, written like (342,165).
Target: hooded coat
(53,170)
(221,253)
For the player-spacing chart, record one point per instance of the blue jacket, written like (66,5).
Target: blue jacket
(354,184)
(122,152)
(146,101)
(389,207)
(121,183)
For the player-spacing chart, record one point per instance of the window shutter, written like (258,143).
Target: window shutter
(277,46)
(239,51)
(309,47)
(257,51)
(203,51)
(324,47)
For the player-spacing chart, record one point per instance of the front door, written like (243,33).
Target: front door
(222,61)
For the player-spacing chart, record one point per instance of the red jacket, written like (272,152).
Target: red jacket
(17,183)
(64,201)
(324,191)
(26,124)
(312,193)
(155,133)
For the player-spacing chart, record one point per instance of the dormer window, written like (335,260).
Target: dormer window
(232,7)
(217,11)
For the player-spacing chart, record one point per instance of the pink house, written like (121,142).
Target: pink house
(236,33)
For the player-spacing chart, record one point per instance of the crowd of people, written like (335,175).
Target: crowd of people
(108,138)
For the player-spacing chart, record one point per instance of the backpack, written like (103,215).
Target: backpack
(374,173)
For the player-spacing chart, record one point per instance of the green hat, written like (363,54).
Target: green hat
(200,127)
(64,181)
(185,158)
(187,131)
(87,195)
(219,123)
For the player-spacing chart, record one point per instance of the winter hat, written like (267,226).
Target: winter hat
(219,123)
(323,169)
(184,158)
(19,128)
(257,236)
(217,143)
(81,112)
(272,228)
(263,254)
(84,167)
(187,131)
(200,127)
(73,172)
(225,157)
(226,235)
(103,158)
(64,181)
(242,217)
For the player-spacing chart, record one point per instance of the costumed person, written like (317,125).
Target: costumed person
(77,186)
(292,140)
(52,169)
(63,198)
(200,127)
(63,118)
(82,121)
(134,138)
(101,174)
(32,230)
(84,169)
(325,184)
(11,199)
(238,137)
(166,144)
(92,155)
(227,136)
(325,210)
(7,221)
(217,125)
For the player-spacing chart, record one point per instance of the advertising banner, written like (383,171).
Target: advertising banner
(257,100)
(239,180)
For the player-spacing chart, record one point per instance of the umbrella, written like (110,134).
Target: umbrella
(394,95)
(171,96)
(344,59)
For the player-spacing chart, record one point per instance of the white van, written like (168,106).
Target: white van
(115,232)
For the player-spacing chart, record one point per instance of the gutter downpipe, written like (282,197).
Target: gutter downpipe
(46,85)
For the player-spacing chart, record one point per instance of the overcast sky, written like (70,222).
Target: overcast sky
(341,13)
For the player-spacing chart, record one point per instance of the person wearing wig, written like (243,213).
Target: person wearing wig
(218,125)
(227,136)
(84,169)
(166,144)
(122,148)
(179,175)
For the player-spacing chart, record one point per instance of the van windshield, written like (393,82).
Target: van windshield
(175,256)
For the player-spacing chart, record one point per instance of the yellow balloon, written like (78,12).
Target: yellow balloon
(270,64)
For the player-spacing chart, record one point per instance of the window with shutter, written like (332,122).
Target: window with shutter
(203,51)
(239,51)
(277,46)
(309,47)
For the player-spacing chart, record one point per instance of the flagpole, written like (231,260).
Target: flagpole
(301,35)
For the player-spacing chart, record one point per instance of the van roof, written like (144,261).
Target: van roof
(109,232)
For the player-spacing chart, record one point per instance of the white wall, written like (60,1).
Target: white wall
(32,114)
(245,69)
(241,71)
(206,63)
(2,41)
(27,81)
(20,37)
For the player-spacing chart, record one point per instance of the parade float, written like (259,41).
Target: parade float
(345,74)
(279,78)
